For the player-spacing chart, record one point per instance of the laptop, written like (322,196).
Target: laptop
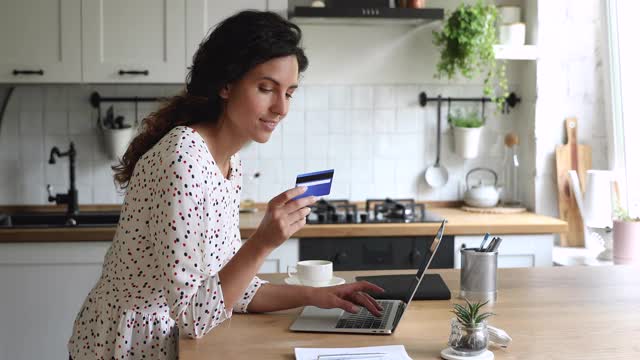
(314,319)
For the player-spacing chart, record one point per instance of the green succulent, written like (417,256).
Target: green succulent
(466,47)
(469,315)
(472,120)
(622,214)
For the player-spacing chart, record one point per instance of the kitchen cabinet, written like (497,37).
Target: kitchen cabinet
(202,15)
(283,256)
(40,41)
(139,41)
(515,250)
(44,284)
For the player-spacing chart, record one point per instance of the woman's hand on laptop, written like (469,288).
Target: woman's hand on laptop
(347,297)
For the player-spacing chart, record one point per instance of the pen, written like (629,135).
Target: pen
(359,356)
(486,236)
(491,243)
(497,243)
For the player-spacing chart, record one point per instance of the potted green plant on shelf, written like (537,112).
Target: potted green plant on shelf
(466,47)
(467,130)
(469,333)
(626,237)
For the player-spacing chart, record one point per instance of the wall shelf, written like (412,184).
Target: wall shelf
(364,16)
(518,52)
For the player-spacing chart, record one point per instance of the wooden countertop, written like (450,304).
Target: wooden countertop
(551,313)
(460,223)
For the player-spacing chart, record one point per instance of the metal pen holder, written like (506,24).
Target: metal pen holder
(478,275)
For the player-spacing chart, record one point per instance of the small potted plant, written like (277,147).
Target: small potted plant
(467,130)
(626,237)
(116,134)
(469,333)
(466,47)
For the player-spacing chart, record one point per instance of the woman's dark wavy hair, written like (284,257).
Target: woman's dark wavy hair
(234,47)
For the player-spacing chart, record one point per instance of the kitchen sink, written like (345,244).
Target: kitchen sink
(45,220)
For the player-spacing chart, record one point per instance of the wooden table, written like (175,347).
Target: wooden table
(551,313)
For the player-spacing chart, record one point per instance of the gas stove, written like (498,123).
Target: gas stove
(375,211)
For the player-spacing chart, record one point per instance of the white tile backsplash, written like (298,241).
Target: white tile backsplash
(376,137)
(316,122)
(294,123)
(362,97)
(56,122)
(384,97)
(31,122)
(339,122)
(384,121)
(361,122)
(339,97)
(317,97)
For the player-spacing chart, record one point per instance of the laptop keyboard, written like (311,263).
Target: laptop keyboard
(364,319)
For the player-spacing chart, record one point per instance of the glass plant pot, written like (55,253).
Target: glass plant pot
(468,341)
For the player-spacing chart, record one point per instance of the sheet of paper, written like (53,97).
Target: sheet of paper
(393,352)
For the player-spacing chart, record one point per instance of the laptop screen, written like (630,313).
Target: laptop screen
(426,261)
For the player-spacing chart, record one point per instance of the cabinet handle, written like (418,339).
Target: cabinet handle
(17,72)
(133,72)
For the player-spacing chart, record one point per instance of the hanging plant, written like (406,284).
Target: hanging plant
(466,47)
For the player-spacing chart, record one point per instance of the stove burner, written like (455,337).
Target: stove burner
(332,212)
(399,210)
(376,211)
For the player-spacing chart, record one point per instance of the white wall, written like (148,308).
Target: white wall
(569,83)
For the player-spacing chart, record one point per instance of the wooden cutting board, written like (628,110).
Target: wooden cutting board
(571,156)
(494,210)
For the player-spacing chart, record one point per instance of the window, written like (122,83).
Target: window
(623,111)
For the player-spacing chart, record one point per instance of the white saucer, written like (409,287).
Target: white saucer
(449,355)
(293,280)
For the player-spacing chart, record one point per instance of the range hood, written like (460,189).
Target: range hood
(364,15)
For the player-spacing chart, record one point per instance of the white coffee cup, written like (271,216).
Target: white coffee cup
(312,272)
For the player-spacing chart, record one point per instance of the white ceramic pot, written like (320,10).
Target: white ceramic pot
(509,14)
(116,141)
(467,141)
(512,34)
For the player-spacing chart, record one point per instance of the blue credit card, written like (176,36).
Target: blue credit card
(318,183)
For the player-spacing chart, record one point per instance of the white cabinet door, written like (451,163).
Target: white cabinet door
(514,251)
(202,15)
(43,286)
(283,256)
(140,41)
(40,41)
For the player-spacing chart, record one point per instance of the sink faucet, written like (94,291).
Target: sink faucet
(71,197)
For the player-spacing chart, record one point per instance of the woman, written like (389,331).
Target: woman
(176,263)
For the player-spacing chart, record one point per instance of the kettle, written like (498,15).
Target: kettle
(482,195)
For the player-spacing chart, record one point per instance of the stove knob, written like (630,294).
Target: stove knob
(415,256)
(349,218)
(341,258)
(334,218)
(321,218)
(363,218)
